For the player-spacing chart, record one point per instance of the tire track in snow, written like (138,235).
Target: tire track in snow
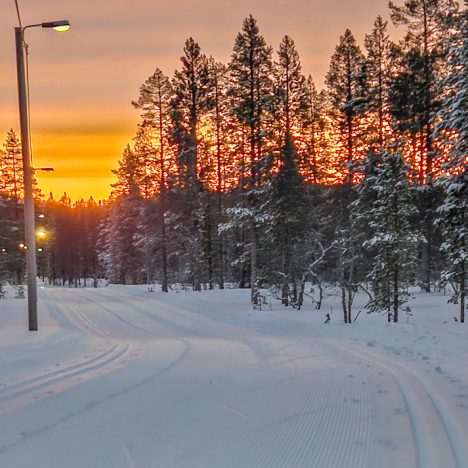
(436,446)
(20,393)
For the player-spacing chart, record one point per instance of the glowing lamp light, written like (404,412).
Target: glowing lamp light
(41,234)
(60,26)
(23,246)
(42,216)
(3,250)
(40,249)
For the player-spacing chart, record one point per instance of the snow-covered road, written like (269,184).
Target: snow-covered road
(119,377)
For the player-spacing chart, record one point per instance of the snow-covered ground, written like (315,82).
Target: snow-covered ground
(122,377)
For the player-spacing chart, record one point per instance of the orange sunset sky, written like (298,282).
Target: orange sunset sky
(83,81)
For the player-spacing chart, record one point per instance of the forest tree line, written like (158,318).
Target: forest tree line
(246,174)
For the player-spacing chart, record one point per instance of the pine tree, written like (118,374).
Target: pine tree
(129,175)
(378,76)
(312,144)
(346,87)
(191,103)
(12,260)
(11,167)
(222,128)
(290,90)
(155,104)
(286,205)
(251,91)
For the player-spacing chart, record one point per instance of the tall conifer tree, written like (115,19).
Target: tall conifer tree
(251,88)
(452,215)
(378,76)
(346,88)
(154,103)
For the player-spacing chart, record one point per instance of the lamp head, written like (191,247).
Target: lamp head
(60,26)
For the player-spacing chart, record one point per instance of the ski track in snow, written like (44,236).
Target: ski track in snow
(18,394)
(436,432)
(304,432)
(31,390)
(293,401)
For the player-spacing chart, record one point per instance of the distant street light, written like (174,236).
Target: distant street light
(23,97)
(60,26)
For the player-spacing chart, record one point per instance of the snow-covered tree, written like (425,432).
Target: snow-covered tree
(251,90)
(288,222)
(416,101)
(393,242)
(191,103)
(154,102)
(452,215)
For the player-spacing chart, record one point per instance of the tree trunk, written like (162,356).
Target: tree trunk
(463,293)
(396,280)
(343,302)
(253,265)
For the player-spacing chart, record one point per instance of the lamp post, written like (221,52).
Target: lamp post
(28,171)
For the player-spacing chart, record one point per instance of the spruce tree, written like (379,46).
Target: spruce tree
(393,238)
(221,125)
(119,252)
(452,215)
(287,213)
(123,259)
(416,97)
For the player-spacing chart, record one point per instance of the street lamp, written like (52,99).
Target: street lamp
(30,246)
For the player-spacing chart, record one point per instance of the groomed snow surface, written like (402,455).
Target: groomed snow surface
(123,377)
